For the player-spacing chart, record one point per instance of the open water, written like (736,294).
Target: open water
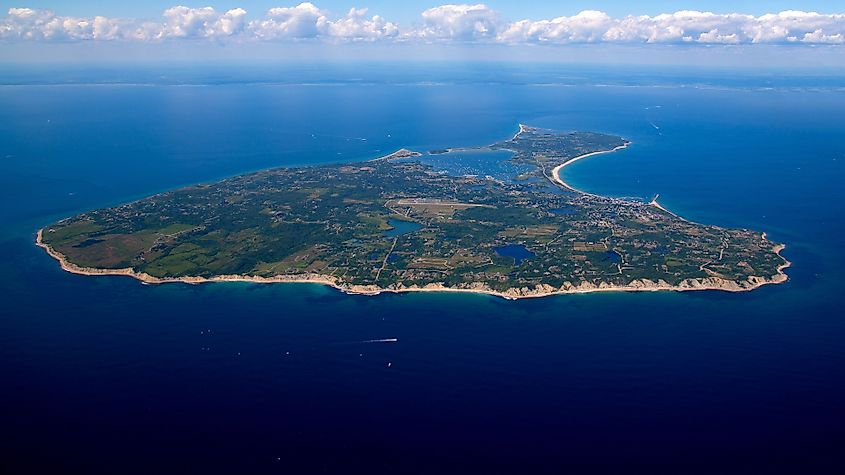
(106,375)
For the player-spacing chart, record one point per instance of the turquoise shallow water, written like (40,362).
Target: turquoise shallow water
(108,375)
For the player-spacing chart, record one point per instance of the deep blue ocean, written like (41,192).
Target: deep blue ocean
(106,375)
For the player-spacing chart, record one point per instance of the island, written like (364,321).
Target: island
(397,224)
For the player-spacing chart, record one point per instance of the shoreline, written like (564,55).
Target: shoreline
(556,179)
(556,170)
(513,293)
(657,205)
(401,153)
(522,128)
(543,290)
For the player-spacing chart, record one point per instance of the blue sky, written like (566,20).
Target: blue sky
(409,11)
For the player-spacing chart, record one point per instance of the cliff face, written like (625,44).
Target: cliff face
(542,290)
(711,283)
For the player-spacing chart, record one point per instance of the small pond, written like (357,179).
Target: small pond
(401,227)
(566,210)
(517,251)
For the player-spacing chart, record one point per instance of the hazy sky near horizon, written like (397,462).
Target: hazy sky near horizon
(409,11)
(34,30)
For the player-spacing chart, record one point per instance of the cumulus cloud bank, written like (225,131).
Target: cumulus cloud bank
(460,22)
(307,21)
(446,23)
(302,21)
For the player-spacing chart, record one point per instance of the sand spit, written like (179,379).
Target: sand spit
(401,153)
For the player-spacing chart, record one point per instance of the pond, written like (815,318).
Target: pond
(566,210)
(517,251)
(401,227)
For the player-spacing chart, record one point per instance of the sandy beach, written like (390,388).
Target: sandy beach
(556,170)
(558,180)
(543,290)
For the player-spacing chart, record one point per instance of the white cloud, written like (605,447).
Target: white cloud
(178,22)
(460,22)
(302,21)
(587,26)
(818,37)
(714,37)
(686,26)
(356,26)
(184,22)
(307,21)
(33,24)
(453,22)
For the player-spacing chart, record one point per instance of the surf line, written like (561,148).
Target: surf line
(556,178)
